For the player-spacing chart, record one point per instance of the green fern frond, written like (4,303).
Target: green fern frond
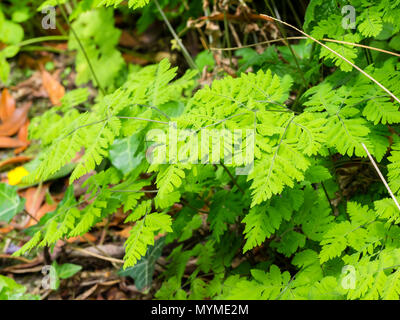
(169,178)
(387,209)
(134,4)
(142,235)
(394,168)
(361,233)
(372,23)
(281,168)
(97,142)
(263,220)
(391,291)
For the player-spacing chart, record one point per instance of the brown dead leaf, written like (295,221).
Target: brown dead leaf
(87,293)
(124,233)
(46,208)
(23,136)
(85,238)
(6,229)
(127,40)
(31,88)
(16,121)
(117,219)
(34,198)
(23,132)
(59,46)
(26,61)
(54,88)
(116,294)
(19,159)
(129,58)
(6,142)
(7,105)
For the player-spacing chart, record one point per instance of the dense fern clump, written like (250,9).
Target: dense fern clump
(316,242)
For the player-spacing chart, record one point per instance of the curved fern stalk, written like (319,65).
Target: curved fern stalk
(269,18)
(304,38)
(381,176)
(362,46)
(188,57)
(82,48)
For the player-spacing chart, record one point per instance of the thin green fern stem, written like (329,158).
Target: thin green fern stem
(41,48)
(186,54)
(82,49)
(327,197)
(227,38)
(41,39)
(232,178)
(287,43)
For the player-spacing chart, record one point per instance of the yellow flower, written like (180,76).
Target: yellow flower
(15,176)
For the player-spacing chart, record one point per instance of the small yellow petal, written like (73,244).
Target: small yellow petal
(15,176)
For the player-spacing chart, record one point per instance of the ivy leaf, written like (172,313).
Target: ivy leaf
(395,43)
(53,87)
(125,154)
(10,202)
(11,33)
(99,39)
(205,58)
(143,271)
(66,270)
(63,271)
(10,290)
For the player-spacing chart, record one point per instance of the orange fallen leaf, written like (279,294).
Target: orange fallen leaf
(127,40)
(34,199)
(132,59)
(26,62)
(16,121)
(85,238)
(6,142)
(45,208)
(23,132)
(23,136)
(19,159)
(59,46)
(124,233)
(54,89)
(6,229)
(7,105)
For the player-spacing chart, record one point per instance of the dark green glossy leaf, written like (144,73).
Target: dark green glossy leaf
(143,271)
(10,202)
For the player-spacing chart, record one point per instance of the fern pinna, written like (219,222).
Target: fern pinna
(290,205)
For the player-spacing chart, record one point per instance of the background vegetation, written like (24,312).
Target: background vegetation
(318,216)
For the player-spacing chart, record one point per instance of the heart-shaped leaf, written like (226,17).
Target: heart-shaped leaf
(10,202)
(143,271)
